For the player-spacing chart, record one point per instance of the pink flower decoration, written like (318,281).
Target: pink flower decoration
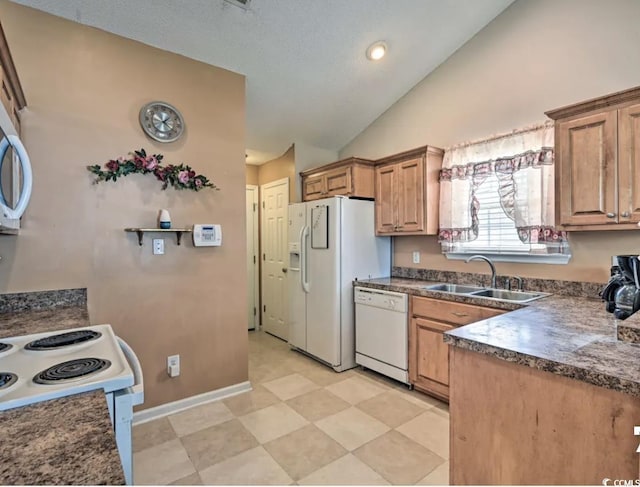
(160,174)
(139,162)
(152,163)
(180,176)
(112,165)
(183,177)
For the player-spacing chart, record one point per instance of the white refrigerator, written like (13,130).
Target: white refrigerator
(331,242)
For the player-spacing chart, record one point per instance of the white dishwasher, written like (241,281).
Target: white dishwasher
(382,332)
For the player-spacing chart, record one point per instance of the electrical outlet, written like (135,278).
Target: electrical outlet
(173,365)
(416,257)
(158,246)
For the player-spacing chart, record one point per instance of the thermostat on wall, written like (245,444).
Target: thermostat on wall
(207,235)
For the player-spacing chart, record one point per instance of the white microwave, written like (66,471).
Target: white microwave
(15,176)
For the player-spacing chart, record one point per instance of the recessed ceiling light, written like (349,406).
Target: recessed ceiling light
(376,51)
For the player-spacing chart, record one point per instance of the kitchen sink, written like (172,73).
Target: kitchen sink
(505,295)
(454,288)
(483,292)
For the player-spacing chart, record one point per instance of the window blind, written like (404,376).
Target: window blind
(496,231)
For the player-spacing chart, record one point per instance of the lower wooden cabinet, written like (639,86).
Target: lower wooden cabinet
(428,354)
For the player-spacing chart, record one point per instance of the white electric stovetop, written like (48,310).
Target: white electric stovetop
(28,364)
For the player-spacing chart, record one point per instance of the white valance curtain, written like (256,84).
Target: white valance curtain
(523,163)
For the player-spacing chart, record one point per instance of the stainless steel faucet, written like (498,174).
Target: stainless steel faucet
(494,285)
(520,283)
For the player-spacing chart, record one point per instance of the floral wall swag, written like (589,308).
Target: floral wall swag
(179,176)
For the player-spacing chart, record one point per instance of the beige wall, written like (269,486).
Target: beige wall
(537,55)
(84,89)
(251,173)
(280,168)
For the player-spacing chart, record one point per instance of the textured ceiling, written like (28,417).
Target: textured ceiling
(308,79)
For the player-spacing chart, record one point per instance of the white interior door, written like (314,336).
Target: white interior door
(274,203)
(253,286)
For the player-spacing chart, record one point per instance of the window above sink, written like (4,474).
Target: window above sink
(496,199)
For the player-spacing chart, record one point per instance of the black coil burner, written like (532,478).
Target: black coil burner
(63,340)
(7,379)
(5,346)
(72,369)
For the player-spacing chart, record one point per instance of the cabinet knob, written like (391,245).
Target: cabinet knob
(626,214)
(284,269)
(611,215)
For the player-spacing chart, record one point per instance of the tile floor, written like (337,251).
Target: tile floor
(301,424)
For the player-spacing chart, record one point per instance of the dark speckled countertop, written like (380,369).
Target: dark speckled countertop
(565,335)
(42,320)
(59,442)
(78,447)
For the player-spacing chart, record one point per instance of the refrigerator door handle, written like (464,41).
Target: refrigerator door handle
(303,259)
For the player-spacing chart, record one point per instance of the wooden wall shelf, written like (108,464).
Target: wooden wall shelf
(142,231)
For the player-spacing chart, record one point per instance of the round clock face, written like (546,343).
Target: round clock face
(161,121)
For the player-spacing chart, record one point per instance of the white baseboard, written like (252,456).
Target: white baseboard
(189,402)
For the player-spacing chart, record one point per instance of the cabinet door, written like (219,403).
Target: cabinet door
(313,188)
(629,163)
(16,121)
(338,182)
(411,195)
(587,163)
(386,197)
(6,95)
(429,357)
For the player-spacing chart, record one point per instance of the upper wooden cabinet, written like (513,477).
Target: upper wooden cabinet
(407,192)
(349,177)
(597,146)
(11,93)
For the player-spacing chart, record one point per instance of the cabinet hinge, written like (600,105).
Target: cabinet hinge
(254,207)
(264,308)
(264,256)
(254,259)
(263,204)
(254,311)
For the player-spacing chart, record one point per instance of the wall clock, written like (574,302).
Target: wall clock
(161,121)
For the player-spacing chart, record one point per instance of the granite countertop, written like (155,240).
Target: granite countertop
(67,441)
(63,441)
(42,320)
(565,335)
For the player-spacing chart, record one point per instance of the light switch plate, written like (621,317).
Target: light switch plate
(416,257)
(173,365)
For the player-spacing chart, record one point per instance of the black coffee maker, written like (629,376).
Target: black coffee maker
(622,292)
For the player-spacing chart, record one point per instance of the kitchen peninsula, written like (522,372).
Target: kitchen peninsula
(543,394)
(66,441)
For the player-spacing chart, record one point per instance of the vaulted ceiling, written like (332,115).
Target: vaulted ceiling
(308,79)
